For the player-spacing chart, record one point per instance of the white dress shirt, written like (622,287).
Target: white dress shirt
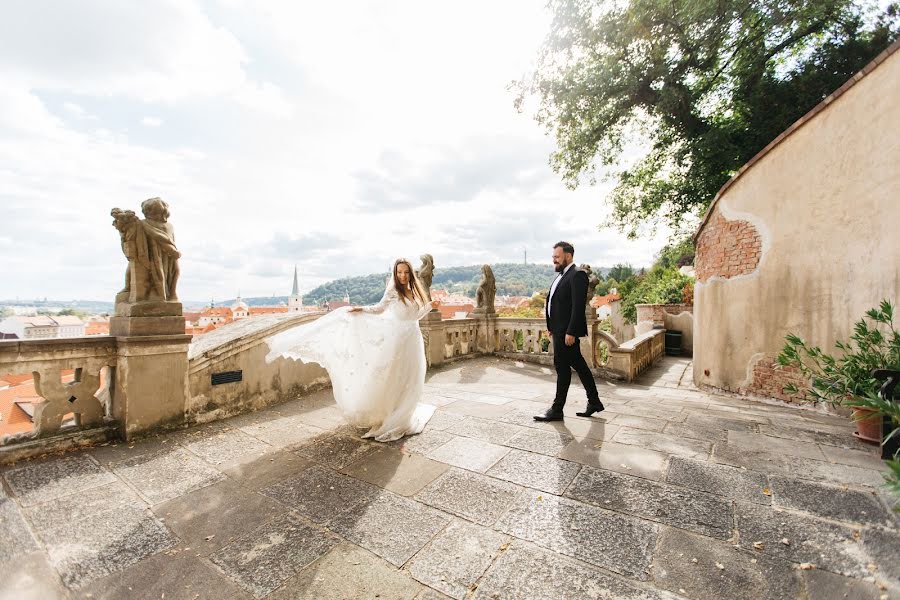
(556,283)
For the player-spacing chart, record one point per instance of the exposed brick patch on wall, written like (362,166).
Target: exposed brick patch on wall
(727,248)
(769,380)
(655,312)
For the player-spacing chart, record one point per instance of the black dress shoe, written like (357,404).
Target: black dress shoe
(592,407)
(550,415)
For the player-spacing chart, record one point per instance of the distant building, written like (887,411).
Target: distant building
(602,304)
(240,310)
(41,327)
(215,316)
(335,304)
(295,302)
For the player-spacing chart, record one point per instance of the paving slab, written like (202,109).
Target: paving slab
(866,459)
(457,558)
(391,526)
(15,535)
(611,456)
(470,495)
(468,453)
(722,480)
(758,442)
(661,442)
(484,429)
(441,420)
(827,545)
(822,585)
(391,469)
(646,423)
(320,494)
(830,502)
(844,439)
(422,443)
(164,475)
(228,446)
(53,478)
(348,572)
(705,433)
(774,463)
(547,442)
(95,533)
(616,542)
(282,432)
(29,576)
(336,451)
(525,572)
(262,560)
(180,576)
(274,467)
(704,569)
(477,409)
(535,471)
(681,507)
(216,515)
(722,423)
(883,550)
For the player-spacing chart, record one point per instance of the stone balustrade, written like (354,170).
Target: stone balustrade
(72,412)
(128,386)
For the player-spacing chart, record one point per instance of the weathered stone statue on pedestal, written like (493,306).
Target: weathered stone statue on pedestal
(425,275)
(148,304)
(487,291)
(485,313)
(151,346)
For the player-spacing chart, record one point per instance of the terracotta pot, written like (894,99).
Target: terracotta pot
(868,425)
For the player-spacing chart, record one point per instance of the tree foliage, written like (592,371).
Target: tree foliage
(708,83)
(513,279)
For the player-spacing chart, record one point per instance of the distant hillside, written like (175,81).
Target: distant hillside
(512,279)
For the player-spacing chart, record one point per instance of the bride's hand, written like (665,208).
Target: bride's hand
(355,309)
(435,303)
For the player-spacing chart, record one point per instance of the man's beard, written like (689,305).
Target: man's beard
(560,267)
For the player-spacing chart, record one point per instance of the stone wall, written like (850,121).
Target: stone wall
(655,313)
(239,350)
(803,239)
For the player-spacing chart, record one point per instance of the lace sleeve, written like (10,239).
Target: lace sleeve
(423,311)
(390,295)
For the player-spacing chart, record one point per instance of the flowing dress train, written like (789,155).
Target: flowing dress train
(376,361)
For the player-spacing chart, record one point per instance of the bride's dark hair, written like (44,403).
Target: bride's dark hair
(417,293)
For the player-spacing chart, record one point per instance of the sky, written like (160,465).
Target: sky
(331,136)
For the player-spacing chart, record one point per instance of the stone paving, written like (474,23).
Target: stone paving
(669,493)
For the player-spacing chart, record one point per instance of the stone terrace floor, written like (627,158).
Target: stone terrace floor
(671,493)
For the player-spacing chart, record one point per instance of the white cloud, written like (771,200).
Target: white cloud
(281,121)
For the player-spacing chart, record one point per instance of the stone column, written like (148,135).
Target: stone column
(433,331)
(150,382)
(485,336)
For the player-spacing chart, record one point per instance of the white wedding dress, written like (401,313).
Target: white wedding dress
(376,361)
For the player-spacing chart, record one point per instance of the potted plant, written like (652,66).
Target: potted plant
(849,379)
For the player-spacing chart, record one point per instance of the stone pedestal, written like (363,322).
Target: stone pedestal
(147,318)
(433,332)
(487,325)
(150,382)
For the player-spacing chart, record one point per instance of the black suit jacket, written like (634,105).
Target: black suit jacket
(566,315)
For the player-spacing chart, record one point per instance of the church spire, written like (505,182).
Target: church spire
(296,290)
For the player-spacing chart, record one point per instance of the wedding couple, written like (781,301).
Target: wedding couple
(376,359)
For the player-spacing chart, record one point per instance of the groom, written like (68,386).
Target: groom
(566,322)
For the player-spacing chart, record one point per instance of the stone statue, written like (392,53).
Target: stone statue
(487,290)
(149,246)
(128,225)
(425,275)
(593,282)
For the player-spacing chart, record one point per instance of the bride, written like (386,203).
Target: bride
(374,355)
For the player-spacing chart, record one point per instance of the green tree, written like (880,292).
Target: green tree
(620,272)
(708,83)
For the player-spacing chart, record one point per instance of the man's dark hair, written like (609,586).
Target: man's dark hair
(567,248)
